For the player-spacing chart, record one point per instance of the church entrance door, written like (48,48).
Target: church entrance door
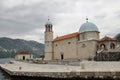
(62,56)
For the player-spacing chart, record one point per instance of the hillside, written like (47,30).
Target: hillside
(10,47)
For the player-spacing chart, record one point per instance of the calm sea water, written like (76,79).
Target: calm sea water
(3,76)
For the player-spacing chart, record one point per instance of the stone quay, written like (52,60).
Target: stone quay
(85,69)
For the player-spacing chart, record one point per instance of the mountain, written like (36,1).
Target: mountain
(10,47)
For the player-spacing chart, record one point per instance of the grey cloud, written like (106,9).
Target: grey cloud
(14,27)
(22,21)
(101,16)
(38,12)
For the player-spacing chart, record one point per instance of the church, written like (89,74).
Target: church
(82,45)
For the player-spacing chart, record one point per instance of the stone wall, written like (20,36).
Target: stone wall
(65,62)
(72,74)
(20,57)
(107,56)
(67,48)
(87,49)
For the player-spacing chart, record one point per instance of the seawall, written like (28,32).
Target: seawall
(63,71)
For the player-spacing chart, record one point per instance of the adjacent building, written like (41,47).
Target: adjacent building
(23,55)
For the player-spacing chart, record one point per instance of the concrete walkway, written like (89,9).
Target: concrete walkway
(85,66)
(87,69)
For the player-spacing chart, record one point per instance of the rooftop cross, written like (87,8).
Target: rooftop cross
(48,18)
(86,19)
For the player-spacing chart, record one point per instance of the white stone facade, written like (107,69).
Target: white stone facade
(22,57)
(82,45)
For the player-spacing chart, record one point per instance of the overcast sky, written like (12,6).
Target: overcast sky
(25,19)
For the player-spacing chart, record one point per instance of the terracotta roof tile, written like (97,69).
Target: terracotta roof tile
(106,38)
(23,52)
(65,36)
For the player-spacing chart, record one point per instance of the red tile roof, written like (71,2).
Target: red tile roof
(106,38)
(65,36)
(23,52)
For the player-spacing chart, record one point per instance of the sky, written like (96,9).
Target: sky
(26,19)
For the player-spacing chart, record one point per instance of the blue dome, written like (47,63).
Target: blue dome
(88,26)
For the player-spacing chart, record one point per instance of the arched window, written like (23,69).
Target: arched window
(49,28)
(112,46)
(102,46)
(78,37)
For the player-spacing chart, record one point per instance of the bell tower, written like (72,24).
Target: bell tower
(48,40)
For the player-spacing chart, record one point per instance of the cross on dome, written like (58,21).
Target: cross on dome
(86,19)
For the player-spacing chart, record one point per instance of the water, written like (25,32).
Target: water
(3,76)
